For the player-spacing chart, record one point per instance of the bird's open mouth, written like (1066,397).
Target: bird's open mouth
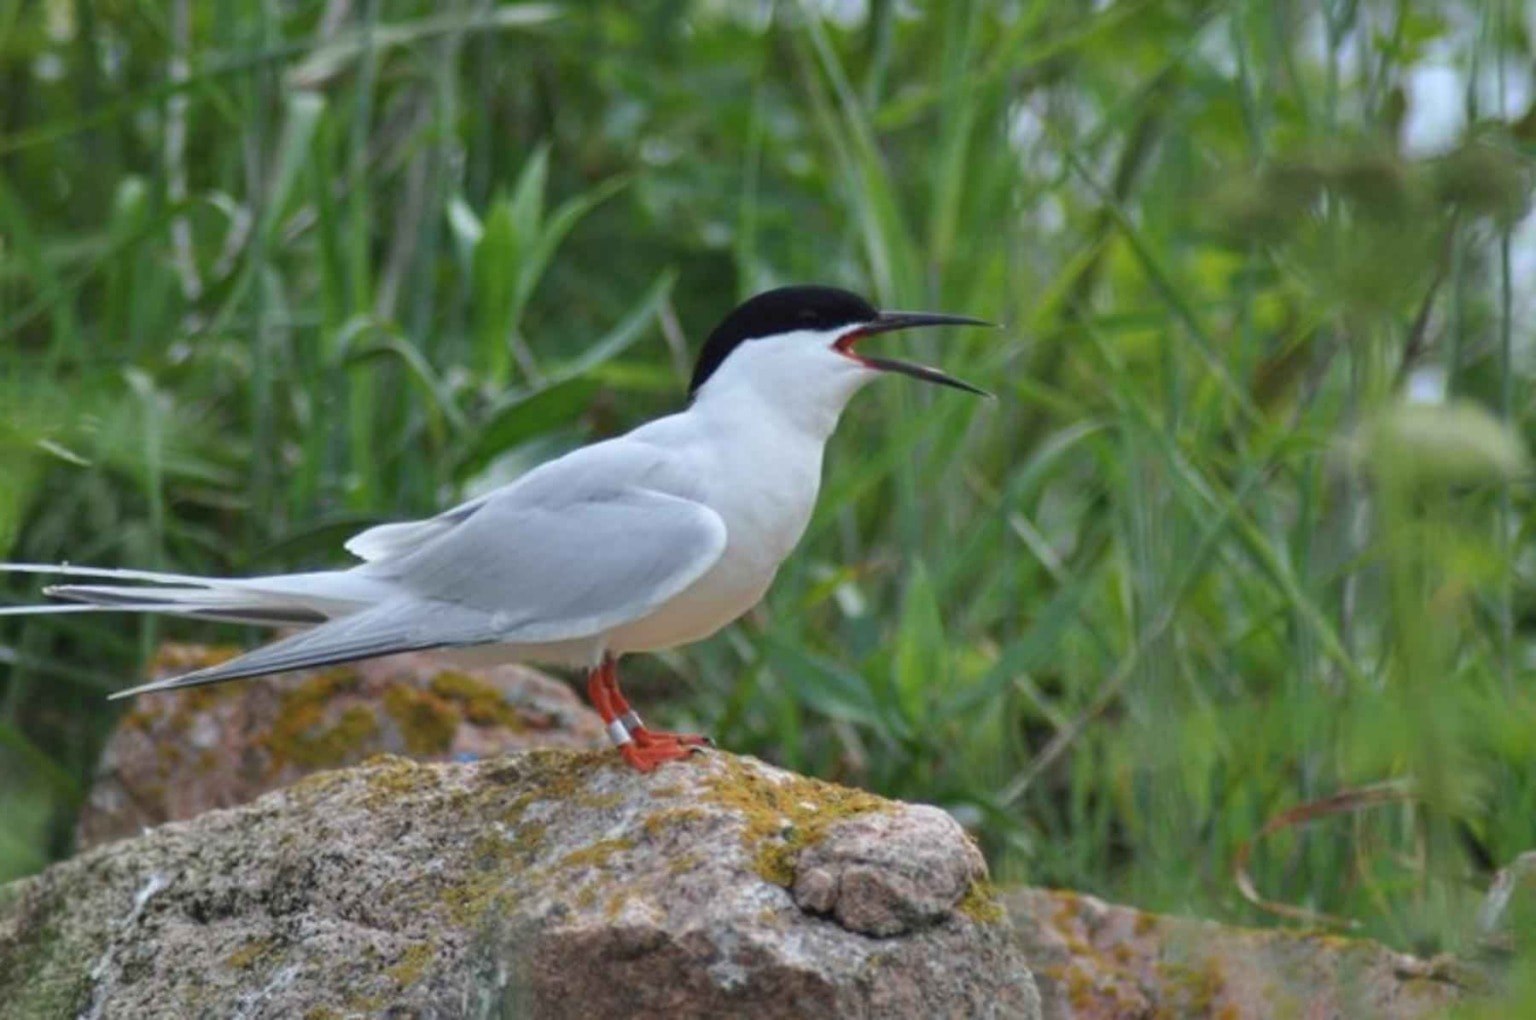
(889,322)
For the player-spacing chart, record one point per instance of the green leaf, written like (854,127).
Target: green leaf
(303,112)
(828,687)
(921,662)
(544,410)
(495,288)
(1031,650)
(567,394)
(537,257)
(335,56)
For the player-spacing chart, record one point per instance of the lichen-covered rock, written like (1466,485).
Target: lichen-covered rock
(543,884)
(1096,960)
(180,753)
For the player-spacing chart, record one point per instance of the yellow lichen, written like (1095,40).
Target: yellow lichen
(495,860)
(980,903)
(333,745)
(683,863)
(657,823)
(596,855)
(244,957)
(516,799)
(493,851)
(545,775)
(299,734)
(407,970)
(480,702)
(615,904)
(364,1005)
(426,721)
(387,777)
(1081,990)
(322,1013)
(317,784)
(393,767)
(1189,990)
(784,816)
(561,776)
(176,657)
(525,845)
(601,801)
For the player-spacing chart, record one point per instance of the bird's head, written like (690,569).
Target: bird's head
(799,346)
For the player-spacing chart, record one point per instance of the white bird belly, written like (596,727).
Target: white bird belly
(765,497)
(723,594)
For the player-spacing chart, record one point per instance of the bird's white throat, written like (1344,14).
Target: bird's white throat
(796,380)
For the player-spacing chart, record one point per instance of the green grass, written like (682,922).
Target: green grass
(1195,567)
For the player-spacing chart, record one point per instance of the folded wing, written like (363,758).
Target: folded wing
(553,570)
(518,571)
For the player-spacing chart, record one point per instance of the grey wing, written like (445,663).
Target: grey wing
(546,567)
(401,625)
(384,541)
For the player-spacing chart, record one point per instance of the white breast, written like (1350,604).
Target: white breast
(763,484)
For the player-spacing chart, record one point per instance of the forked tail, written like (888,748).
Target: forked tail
(277,601)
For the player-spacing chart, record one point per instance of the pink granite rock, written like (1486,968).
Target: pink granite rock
(178,754)
(1098,961)
(550,884)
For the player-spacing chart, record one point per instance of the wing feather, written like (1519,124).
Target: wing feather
(388,541)
(547,570)
(384,630)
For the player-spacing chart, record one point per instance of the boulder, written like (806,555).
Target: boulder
(1097,960)
(549,883)
(180,753)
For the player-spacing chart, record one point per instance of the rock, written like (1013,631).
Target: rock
(178,754)
(1096,960)
(548,883)
(883,874)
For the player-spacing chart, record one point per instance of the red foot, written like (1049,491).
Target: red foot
(645,759)
(646,737)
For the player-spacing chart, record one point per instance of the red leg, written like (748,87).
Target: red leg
(643,734)
(597,693)
(603,692)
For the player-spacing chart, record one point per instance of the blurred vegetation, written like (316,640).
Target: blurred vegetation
(270,273)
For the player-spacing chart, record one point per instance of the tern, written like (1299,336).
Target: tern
(646,541)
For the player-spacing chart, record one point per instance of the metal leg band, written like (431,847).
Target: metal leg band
(618,734)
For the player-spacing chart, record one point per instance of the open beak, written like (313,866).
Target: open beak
(889,322)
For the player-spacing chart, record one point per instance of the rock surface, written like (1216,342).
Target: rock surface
(1097,960)
(178,754)
(548,883)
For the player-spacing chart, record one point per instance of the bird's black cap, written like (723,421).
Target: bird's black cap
(779,311)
